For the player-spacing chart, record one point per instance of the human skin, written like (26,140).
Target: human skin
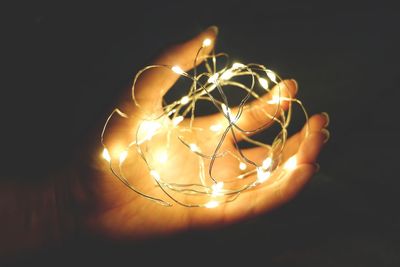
(85,197)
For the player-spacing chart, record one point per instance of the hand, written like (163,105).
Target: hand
(114,211)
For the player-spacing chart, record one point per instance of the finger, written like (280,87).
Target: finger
(261,111)
(268,197)
(315,123)
(155,82)
(258,112)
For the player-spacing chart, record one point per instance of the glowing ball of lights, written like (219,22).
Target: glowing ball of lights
(199,162)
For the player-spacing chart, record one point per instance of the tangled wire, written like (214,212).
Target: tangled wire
(209,144)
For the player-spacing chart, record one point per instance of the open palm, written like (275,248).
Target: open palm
(117,212)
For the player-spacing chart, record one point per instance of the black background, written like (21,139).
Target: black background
(64,64)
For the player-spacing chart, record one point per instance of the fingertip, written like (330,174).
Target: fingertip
(213,29)
(295,86)
(327,119)
(326,134)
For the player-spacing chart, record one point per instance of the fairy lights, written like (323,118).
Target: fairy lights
(217,173)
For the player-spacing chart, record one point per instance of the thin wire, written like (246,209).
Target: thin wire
(218,191)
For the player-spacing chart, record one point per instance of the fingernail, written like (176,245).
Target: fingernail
(213,29)
(327,120)
(317,167)
(327,134)
(296,85)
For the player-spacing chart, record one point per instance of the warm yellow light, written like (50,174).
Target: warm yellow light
(242,166)
(291,163)
(266,163)
(160,133)
(213,78)
(262,175)
(206,42)
(177,120)
(177,70)
(227,111)
(272,76)
(216,127)
(184,100)
(227,75)
(155,175)
(263,82)
(216,188)
(147,130)
(162,156)
(237,65)
(122,156)
(211,204)
(194,148)
(106,155)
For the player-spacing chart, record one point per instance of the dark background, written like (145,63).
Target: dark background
(63,64)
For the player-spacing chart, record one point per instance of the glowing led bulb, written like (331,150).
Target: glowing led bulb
(262,175)
(275,99)
(147,130)
(263,82)
(291,163)
(177,120)
(177,70)
(228,112)
(162,156)
(194,148)
(155,175)
(106,155)
(242,166)
(237,65)
(206,42)
(211,204)
(213,78)
(184,100)
(216,127)
(272,76)
(122,156)
(227,75)
(216,188)
(266,163)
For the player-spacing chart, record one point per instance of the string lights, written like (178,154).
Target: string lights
(198,162)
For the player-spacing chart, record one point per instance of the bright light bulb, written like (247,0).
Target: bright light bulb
(237,65)
(155,175)
(206,42)
(227,75)
(262,175)
(106,155)
(211,204)
(216,188)
(122,156)
(275,100)
(266,163)
(263,82)
(194,148)
(177,70)
(291,163)
(227,111)
(213,78)
(162,157)
(242,166)
(177,120)
(272,76)
(216,127)
(184,100)
(147,130)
